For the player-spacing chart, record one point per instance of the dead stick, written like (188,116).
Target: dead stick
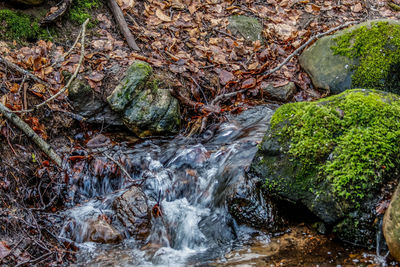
(123,26)
(295,53)
(70,79)
(45,147)
(298,50)
(23,71)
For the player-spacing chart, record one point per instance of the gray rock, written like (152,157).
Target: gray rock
(391,225)
(133,212)
(87,105)
(281,93)
(145,109)
(250,28)
(329,71)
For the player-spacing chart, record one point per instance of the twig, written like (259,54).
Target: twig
(299,49)
(295,53)
(123,26)
(45,147)
(22,71)
(71,48)
(37,260)
(120,166)
(70,79)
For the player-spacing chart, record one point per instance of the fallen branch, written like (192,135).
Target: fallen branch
(45,147)
(196,105)
(70,79)
(295,53)
(120,166)
(123,26)
(299,49)
(23,71)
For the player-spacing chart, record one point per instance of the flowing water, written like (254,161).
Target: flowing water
(189,179)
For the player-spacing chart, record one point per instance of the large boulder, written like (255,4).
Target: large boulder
(133,213)
(391,225)
(366,55)
(145,109)
(333,156)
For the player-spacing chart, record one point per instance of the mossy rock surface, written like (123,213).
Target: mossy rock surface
(366,55)
(19,26)
(146,109)
(333,156)
(250,28)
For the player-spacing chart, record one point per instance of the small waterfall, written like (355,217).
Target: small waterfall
(187,179)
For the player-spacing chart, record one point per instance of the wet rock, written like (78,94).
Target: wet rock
(100,231)
(336,71)
(327,160)
(281,93)
(391,225)
(145,108)
(250,28)
(133,212)
(87,105)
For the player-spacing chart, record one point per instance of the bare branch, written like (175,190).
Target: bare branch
(70,79)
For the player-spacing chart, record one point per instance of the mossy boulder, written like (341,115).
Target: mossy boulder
(146,109)
(391,225)
(250,28)
(366,55)
(333,156)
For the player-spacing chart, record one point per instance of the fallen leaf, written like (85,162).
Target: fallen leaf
(162,16)
(225,77)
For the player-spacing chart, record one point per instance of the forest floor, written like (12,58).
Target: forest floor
(188,44)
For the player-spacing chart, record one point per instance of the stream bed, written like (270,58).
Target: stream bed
(181,188)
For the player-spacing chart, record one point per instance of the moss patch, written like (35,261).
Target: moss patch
(377,48)
(17,26)
(80,10)
(351,139)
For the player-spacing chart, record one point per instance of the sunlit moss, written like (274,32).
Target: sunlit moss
(377,49)
(351,139)
(80,10)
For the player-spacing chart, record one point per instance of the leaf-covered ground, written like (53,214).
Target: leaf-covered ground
(191,49)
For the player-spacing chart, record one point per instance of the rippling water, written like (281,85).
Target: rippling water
(189,178)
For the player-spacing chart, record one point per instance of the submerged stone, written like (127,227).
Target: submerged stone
(250,28)
(333,156)
(133,213)
(146,109)
(366,55)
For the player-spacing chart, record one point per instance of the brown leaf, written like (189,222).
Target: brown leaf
(95,76)
(249,83)
(4,249)
(225,77)
(162,16)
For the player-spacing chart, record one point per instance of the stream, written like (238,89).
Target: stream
(186,183)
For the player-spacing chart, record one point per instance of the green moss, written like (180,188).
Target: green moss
(351,139)
(18,26)
(80,10)
(377,48)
